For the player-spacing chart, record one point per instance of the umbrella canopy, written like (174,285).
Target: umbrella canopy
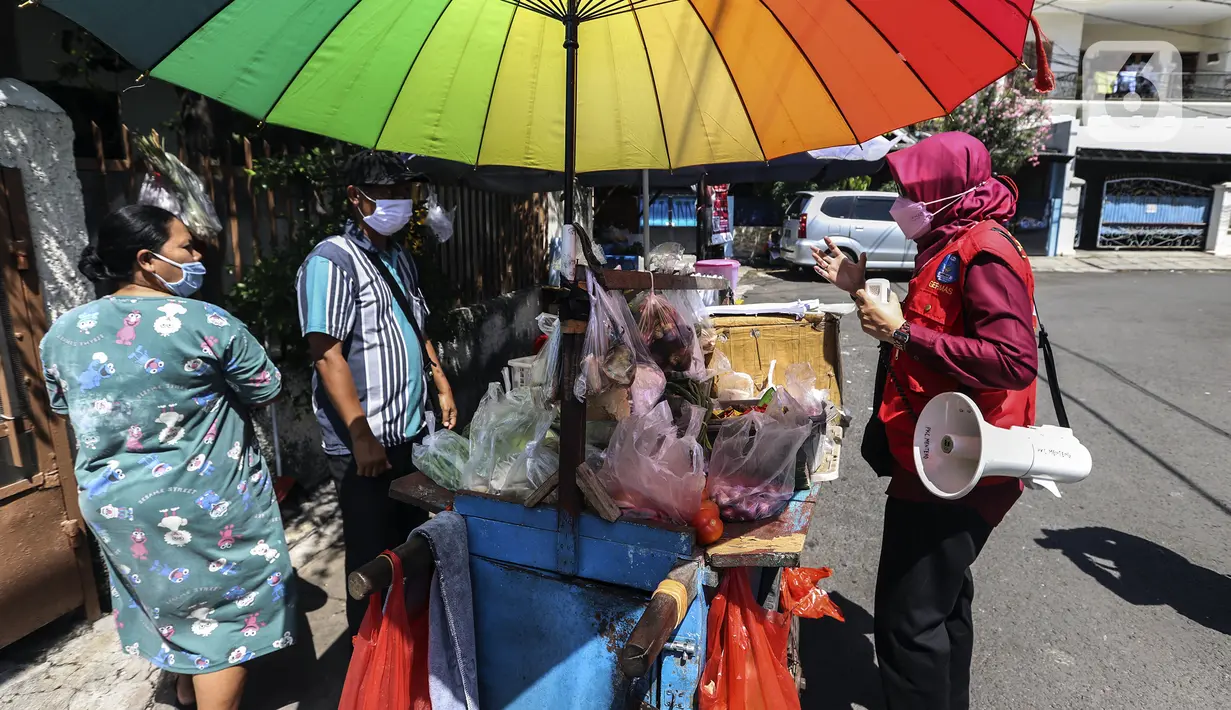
(662,84)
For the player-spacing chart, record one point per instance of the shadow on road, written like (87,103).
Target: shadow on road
(1145,573)
(839,661)
(1149,453)
(296,675)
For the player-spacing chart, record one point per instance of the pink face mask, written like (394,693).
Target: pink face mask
(914,218)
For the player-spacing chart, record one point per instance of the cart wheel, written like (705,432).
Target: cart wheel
(792,656)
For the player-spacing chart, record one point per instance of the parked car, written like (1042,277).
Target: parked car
(858,223)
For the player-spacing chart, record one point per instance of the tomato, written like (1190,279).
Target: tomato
(709,531)
(709,509)
(707,523)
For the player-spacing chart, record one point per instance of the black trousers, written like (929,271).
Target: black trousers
(924,590)
(372,522)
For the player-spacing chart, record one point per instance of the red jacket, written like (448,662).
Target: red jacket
(934,301)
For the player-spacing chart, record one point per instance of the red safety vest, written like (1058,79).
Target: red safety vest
(934,301)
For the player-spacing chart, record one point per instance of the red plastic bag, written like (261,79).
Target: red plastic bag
(801,596)
(745,658)
(388,670)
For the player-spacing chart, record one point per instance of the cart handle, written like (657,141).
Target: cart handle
(377,575)
(660,620)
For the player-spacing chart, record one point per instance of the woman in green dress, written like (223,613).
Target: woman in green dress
(159,389)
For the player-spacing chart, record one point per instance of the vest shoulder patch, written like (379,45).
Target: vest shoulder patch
(946,273)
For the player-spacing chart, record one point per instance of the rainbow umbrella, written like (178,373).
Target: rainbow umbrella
(659,84)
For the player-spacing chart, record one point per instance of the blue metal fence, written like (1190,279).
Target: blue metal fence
(1154,213)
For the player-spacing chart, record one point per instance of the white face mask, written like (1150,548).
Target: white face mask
(389,215)
(914,218)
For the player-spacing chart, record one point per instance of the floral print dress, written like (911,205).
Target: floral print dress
(158,391)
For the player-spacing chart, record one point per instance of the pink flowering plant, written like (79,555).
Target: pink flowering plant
(1011,119)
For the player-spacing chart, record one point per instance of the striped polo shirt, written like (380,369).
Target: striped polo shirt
(342,295)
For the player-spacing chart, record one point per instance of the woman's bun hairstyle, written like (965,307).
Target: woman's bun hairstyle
(121,235)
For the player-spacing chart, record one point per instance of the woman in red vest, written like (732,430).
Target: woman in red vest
(966,324)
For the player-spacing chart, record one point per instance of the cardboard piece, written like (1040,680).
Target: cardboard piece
(751,343)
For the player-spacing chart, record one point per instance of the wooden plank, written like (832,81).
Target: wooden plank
(271,206)
(95,166)
(130,188)
(422,492)
(596,496)
(256,236)
(776,542)
(237,257)
(644,280)
(540,494)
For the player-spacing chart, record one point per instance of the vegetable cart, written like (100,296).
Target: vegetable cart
(564,604)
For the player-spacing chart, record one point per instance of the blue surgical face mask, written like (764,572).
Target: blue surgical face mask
(192,275)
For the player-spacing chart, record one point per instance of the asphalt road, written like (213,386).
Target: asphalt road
(1116,596)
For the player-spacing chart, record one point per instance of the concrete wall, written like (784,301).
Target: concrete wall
(37,138)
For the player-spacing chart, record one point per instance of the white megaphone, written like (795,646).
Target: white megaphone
(955,448)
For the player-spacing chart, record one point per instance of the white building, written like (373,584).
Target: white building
(1139,186)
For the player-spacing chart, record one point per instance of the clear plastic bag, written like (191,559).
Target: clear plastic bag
(177,189)
(752,466)
(668,258)
(668,336)
(442,456)
(607,357)
(691,305)
(801,385)
(438,219)
(731,386)
(507,441)
(648,379)
(654,468)
(545,368)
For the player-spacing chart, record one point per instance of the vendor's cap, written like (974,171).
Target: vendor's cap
(377,167)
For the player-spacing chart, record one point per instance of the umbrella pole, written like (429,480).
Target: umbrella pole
(572,411)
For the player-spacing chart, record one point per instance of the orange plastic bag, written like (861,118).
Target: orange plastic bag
(388,670)
(745,661)
(801,596)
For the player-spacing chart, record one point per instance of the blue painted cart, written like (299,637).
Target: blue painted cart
(565,615)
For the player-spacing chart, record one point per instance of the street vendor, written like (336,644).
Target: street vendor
(363,314)
(966,324)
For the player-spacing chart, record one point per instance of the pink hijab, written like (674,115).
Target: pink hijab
(944,165)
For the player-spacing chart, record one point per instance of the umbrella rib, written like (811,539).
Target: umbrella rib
(539,7)
(419,53)
(662,124)
(939,104)
(176,45)
(620,9)
(592,9)
(308,59)
(993,35)
(726,65)
(815,71)
(491,94)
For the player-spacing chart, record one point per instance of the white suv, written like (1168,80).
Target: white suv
(858,222)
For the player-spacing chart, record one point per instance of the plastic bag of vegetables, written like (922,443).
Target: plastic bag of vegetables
(655,469)
(507,441)
(607,357)
(752,466)
(176,189)
(442,455)
(668,336)
(692,307)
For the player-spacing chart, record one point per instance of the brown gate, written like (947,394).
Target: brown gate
(47,570)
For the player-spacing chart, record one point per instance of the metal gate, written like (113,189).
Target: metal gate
(1154,213)
(47,570)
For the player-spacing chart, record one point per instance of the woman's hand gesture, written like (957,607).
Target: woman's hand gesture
(839,270)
